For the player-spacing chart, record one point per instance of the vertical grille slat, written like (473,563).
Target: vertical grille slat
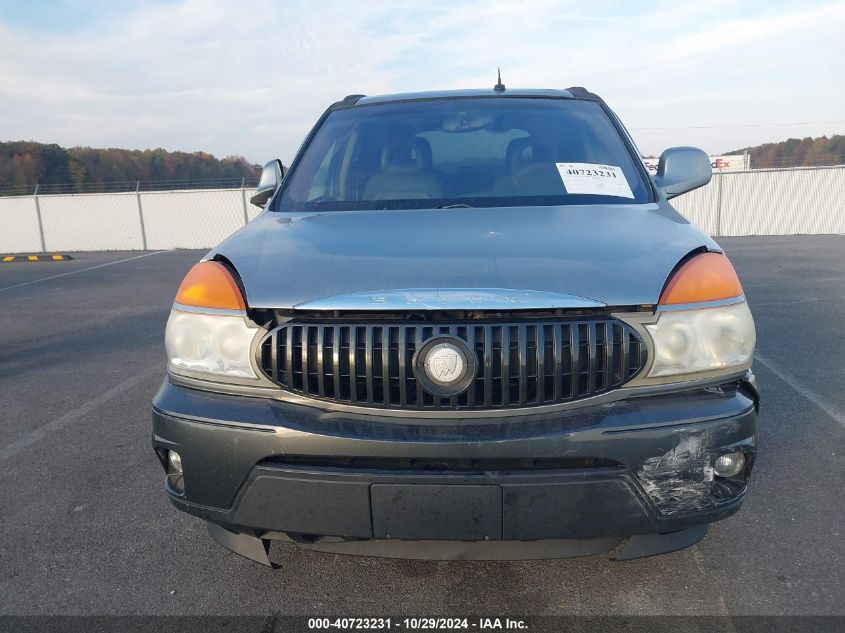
(558,353)
(385,364)
(506,365)
(274,356)
(522,345)
(487,362)
(418,337)
(541,363)
(321,345)
(453,331)
(623,353)
(353,365)
(368,361)
(591,339)
(303,358)
(403,354)
(281,355)
(520,364)
(575,354)
(337,338)
(289,356)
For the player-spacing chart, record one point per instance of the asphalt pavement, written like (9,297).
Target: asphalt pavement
(87,529)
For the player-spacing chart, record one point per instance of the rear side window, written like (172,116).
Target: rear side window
(472,151)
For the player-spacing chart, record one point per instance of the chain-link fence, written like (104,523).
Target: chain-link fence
(129,186)
(146,220)
(757,202)
(774,162)
(801,200)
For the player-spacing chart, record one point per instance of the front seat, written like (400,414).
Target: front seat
(531,169)
(406,174)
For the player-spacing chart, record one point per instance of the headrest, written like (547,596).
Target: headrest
(406,157)
(528,151)
(424,148)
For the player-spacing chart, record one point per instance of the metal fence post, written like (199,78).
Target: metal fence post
(243,201)
(719,204)
(141,214)
(40,221)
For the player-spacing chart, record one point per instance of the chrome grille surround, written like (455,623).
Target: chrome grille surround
(524,363)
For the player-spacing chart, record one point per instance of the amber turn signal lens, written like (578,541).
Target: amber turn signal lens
(210,285)
(705,277)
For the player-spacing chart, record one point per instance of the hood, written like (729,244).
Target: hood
(614,255)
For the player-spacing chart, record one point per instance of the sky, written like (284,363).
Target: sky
(250,79)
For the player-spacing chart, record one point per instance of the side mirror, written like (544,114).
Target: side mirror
(271,178)
(682,169)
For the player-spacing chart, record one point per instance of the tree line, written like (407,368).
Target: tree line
(795,152)
(23,164)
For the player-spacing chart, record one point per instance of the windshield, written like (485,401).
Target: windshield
(465,152)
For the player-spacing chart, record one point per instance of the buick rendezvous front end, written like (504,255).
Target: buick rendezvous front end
(467,325)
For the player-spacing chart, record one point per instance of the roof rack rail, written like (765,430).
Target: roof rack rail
(348,100)
(582,93)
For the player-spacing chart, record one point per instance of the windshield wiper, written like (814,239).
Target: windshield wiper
(457,205)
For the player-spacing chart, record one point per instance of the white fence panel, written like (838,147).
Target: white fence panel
(798,201)
(192,219)
(252,210)
(783,202)
(700,206)
(91,222)
(19,225)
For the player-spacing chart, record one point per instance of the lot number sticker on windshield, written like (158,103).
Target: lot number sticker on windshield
(596,180)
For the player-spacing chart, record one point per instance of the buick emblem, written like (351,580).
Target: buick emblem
(445,366)
(444,363)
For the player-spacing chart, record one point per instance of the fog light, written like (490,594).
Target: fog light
(729,464)
(175,477)
(175,461)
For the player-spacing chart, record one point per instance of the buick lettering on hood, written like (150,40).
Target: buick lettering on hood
(466,325)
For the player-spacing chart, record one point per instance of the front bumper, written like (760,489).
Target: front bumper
(367,484)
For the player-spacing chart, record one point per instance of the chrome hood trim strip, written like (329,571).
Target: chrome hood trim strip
(449,299)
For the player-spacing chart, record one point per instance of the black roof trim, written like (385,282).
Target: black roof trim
(579,92)
(346,102)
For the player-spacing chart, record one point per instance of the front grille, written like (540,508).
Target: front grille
(520,364)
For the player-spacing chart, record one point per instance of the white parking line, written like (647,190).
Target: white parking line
(82,270)
(820,401)
(73,415)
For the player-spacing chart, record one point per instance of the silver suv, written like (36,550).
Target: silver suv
(467,325)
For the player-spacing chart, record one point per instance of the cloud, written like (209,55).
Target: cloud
(251,79)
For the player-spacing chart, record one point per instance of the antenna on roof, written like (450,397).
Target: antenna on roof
(499,87)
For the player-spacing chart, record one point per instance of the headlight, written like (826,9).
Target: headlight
(702,340)
(704,327)
(208,330)
(209,343)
